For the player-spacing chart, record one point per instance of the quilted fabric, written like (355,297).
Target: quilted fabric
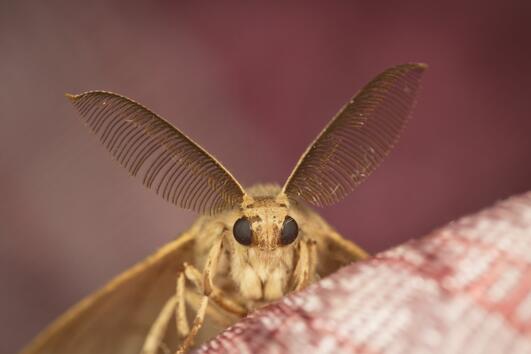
(465,288)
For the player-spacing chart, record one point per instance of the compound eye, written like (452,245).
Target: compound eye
(289,232)
(242,231)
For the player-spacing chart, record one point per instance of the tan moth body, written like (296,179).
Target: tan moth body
(250,247)
(268,271)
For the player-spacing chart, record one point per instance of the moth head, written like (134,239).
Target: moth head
(342,156)
(265,223)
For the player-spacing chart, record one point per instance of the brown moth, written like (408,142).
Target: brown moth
(251,246)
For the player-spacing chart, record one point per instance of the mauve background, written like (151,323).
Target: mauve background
(253,83)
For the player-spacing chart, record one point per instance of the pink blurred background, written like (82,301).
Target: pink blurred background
(253,83)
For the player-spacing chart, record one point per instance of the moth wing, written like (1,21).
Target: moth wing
(117,318)
(335,252)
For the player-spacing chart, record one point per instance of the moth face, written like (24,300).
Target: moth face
(265,224)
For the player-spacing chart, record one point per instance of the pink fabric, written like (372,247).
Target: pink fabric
(466,288)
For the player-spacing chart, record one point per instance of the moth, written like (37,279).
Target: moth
(250,246)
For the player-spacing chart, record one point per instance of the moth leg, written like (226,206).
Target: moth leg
(211,290)
(193,299)
(194,276)
(196,326)
(216,313)
(158,328)
(204,284)
(305,270)
(180,310)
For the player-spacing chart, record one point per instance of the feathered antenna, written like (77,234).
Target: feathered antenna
(357,139)
(170,162)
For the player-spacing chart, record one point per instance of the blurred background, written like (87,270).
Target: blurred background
(253,83)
